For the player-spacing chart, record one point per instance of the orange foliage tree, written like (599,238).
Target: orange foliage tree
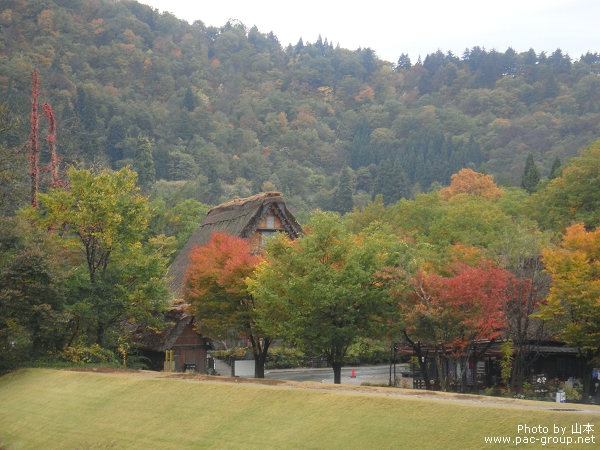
(468,181)
(215,287)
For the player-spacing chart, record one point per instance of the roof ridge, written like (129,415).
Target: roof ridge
(243,201)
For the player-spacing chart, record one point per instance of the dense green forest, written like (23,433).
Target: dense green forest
(228,111)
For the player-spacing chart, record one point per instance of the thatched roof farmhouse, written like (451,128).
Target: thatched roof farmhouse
(254,218)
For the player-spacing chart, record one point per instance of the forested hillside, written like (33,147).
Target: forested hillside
(228,111)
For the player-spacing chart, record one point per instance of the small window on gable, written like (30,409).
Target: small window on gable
(265,236)
(270,222)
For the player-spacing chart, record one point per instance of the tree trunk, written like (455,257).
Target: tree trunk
(99,335)
(587,367)
(260,348)
(464,362)
(516,378)
(337,372)
(422,361)
(475,360)
(259,365)
(440,369)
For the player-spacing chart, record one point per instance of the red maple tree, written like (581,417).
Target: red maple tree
(458,316)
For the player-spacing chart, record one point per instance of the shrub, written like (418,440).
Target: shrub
(93,354)
(284,358)
(572,394)
(232,354)
(367,351)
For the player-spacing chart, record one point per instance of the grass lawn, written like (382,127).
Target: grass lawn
(61,409)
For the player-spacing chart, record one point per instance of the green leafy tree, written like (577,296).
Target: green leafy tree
(322,290)
(374,211)
(13,180)
(574,196)
(531,175)
(122,276)
(34,320)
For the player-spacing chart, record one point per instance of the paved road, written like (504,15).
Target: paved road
(372,374)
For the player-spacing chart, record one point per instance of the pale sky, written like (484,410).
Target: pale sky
(416,28)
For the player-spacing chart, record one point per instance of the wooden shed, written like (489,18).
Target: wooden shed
(189,347)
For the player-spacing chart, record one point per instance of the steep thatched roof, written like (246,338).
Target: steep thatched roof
(240,217)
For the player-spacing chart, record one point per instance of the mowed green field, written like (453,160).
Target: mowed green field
(60,409)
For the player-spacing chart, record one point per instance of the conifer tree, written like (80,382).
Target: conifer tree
(399,185)
(391,182)
(342,200)
(382,180)
(188,100)
(85,109)
(404,62)
(555,169)
(368,60)
(531,175)
(360,151)
(144,163)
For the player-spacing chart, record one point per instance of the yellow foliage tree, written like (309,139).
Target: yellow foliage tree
(573,306)
(46,21)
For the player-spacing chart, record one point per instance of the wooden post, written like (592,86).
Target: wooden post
(169,363)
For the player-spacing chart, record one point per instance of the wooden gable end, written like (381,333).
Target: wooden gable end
(273,221)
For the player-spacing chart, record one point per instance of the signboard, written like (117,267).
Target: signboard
(481,367)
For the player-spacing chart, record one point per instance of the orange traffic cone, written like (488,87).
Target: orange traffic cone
(353,374)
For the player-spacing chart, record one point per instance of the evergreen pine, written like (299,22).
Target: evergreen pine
(383,180)
(391,182)
(368,60)
(342,200)
(360,150)
(189,101)
(404,62)
(117,132)
(399,185)
(531,175)
(144,163)
(215,187)
(555,169)
(85,109)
